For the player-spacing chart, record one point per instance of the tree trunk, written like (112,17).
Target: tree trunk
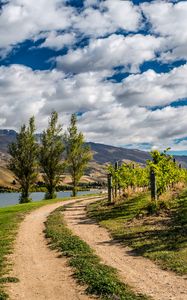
(74,192)
(51,194)
(24,198)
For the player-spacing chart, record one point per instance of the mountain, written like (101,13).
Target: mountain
(182,159)
(6,137)
(102,154)
(105,153)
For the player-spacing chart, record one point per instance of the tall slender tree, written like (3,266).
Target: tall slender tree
(23,162)
(50,157)
(78,154)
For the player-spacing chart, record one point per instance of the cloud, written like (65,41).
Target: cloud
(169,21)
(105,17)
(153,89)
(111,34)
(136,125)
(103,117)
(106,53)
(23,19)
(58,41)
(29,92)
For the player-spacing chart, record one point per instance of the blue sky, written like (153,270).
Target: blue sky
(120,65)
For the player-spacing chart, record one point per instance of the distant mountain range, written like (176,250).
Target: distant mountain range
(101,153)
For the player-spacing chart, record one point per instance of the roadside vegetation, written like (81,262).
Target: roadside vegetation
(154,230)
(160,174)
(99,279)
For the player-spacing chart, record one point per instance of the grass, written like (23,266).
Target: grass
(160,237)
(10,218)
(100,279)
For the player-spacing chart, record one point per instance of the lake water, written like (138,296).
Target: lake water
(7,199)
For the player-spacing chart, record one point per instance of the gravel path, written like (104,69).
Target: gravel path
(139,272)
(42,275)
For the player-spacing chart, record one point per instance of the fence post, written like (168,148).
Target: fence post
(110,188)
(153,185)
(116,181)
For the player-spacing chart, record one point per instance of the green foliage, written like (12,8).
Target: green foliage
(130,174)
(78,155)
(166,170)
(51,155)
(156,207)
(3,295)
(23,162)
(152,208)
(8,279)
(100,279)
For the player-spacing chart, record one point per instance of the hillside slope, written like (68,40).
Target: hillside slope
(102,154)
(105,153)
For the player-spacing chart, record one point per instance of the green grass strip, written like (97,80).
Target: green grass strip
(161,238)
(10,218)
(101,280)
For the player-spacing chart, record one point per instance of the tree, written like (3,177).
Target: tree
(78,154)
(23,162)
(50,157)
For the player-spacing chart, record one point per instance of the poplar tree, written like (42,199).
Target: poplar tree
(23,162)
(77,153)
(50,157)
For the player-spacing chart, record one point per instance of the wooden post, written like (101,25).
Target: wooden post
(110,200)
(153,186)
(116,182)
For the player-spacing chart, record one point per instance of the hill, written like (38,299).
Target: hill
(105,153)
(102,154)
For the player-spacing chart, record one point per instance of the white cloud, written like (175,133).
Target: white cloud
(103,118)
(120,126)
(123,14)
(30,92)
(24,19)
(153,89)
(23,93)
(170,21)
(115,50)
(108,17)
(58,41)
(113,113)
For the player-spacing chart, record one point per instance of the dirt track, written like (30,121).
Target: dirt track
(137,271)
(42,275)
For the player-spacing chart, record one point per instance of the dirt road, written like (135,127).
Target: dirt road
(140,273)
(42,275)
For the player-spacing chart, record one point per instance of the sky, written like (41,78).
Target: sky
(121,66)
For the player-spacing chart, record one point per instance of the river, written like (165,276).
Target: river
(7,199)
